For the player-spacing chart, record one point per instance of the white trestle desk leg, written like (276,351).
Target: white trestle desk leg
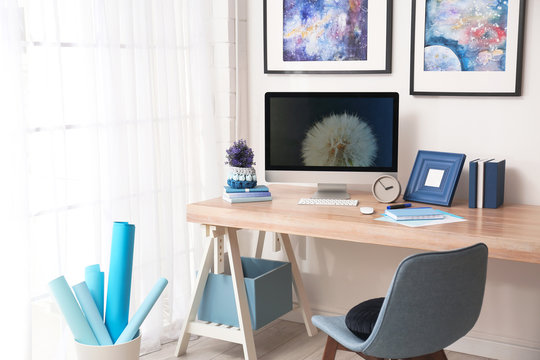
(240,296)
(260,244)
(299,286)
(208,258)
(219,249)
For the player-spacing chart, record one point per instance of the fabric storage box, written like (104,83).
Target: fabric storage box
(268,287)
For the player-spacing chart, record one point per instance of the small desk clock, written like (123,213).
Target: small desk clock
(386,189)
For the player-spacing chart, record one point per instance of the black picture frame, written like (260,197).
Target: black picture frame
(434,177)
(468,83)
(273,45)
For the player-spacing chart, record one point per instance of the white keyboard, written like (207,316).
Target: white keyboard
(338,202)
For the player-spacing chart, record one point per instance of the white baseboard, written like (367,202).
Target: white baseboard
(474,343)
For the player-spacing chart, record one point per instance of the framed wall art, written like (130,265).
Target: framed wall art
(467,47)
(434,177)
(327,37)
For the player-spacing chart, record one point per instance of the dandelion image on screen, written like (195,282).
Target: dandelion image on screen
(339,140)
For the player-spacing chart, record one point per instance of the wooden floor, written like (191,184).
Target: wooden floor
(281,340)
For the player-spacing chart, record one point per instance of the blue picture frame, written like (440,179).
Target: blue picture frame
(434,177)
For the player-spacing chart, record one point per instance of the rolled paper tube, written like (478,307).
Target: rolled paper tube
(119,283)
(136,321)
(91,312)
(95,279)
(72,312)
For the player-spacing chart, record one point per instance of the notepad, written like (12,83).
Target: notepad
(414,214)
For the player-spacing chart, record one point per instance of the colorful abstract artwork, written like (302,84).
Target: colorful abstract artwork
(465,35)
(325,30)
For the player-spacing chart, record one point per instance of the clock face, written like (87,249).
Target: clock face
(386,189)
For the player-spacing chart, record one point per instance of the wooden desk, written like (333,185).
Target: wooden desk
(511,232)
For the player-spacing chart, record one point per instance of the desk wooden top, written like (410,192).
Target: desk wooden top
(511,232)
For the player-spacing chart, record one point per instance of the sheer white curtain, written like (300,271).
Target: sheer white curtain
(106,116)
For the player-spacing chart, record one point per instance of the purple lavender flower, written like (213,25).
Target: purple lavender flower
(240,155)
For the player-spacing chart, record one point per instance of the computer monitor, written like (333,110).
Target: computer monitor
(332,139)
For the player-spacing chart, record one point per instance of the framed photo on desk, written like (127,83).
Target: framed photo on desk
(434,177)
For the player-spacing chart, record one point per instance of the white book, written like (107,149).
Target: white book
(246,199)
(480,183)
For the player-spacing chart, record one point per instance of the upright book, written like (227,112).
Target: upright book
(480,183)
(494,183)
(473,179)
(422,213)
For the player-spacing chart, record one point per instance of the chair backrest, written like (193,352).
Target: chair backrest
(434,299)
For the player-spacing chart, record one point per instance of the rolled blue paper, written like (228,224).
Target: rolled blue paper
(131,329)
(72,312)
(119,283)
(95,279)
(91,312)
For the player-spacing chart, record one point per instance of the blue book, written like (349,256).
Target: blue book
(247,194)
(473,179)
(257,188)
(494,183)
(422,213)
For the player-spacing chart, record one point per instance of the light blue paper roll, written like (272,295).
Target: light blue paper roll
(91,312)
(95,279)
(119,283)
(131,329)
(72,312)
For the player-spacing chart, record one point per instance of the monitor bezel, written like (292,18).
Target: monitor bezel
(335,170)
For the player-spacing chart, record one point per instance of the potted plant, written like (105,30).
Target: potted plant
(240,159)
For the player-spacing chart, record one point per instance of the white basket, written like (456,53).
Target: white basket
(125,351)
(242,174)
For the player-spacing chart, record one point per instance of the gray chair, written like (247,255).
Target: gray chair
(434,299)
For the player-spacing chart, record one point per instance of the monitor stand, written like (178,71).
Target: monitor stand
(331,191)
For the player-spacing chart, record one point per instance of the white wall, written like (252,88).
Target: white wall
(337,274)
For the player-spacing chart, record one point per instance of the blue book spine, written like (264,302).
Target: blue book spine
(229,189)
(473,179)
(494,184)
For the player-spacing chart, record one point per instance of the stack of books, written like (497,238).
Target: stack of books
(258,193)
(421,213)
(486,183)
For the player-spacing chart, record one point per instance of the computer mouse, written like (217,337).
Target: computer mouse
(366,210)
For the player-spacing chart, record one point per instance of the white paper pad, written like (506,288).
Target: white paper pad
(448,218)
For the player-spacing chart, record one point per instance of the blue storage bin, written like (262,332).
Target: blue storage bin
(269,293)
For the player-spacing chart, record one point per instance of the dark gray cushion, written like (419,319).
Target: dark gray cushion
(361,319)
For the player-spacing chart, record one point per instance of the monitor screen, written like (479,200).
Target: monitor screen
(330,137)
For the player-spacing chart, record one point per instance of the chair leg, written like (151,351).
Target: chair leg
(332,346)
(438,355)
(330,349)
(368,357)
